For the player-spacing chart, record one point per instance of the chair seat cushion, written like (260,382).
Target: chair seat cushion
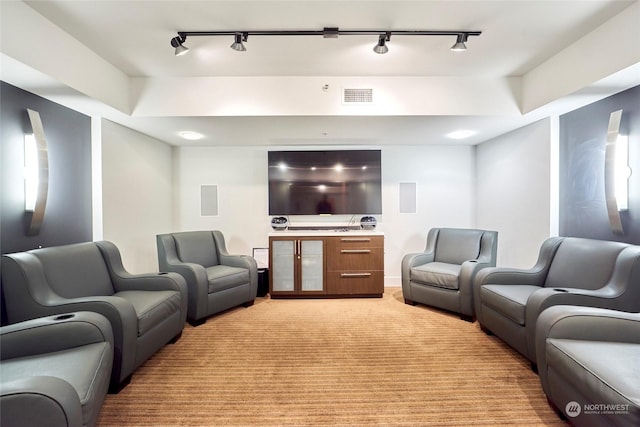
(439,274)
(223,277)
(508,300)
(152,307)
(605,371)
(84,368)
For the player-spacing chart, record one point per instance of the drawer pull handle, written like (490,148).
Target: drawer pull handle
(355,274)
(355,239)
(355,251)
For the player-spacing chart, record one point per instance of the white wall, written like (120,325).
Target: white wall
(137,194)
(503,184)
(444,177)
(513,191)
(241,177)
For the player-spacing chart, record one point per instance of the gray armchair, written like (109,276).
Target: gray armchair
(589,364)
(54,371)
(442,275)
(145,310)
(217,281)
(569,271)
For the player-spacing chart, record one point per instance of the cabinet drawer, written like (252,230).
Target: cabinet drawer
(351,242)
(355,282)
(356,259)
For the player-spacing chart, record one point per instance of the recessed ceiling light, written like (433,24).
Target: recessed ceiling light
(461,134)
(190,135)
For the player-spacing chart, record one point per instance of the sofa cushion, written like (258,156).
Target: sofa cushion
(223,277)
(82,367)
(197,247)
(152,307)
(583,263)
(438,274)
(455,246)
(606,370)
(508,300)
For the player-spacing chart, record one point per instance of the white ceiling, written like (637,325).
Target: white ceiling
(517,37)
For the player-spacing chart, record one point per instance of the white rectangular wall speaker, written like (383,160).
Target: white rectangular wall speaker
(408,203)
(209,200)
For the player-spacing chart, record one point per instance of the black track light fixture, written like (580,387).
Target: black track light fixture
(382,47)
(177,43)
(328,32)
(237,43)
(459,45)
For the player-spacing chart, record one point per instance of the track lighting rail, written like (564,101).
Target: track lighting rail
(327,32)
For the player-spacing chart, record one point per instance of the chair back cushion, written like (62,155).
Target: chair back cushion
(583,263)
(75,271)
(455,246)
(197,247)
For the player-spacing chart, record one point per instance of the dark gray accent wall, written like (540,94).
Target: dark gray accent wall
(583,136)
(68,216)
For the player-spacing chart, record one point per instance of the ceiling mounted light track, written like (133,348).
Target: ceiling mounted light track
(328,33)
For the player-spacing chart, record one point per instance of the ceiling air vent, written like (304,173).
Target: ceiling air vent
(357,96)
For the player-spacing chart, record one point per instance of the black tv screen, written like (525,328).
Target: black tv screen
(325,182)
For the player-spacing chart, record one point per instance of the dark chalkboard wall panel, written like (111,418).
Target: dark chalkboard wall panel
(583,136)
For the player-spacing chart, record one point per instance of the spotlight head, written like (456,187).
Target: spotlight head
(176,42)
(460,45)
(381,47)
(237,43)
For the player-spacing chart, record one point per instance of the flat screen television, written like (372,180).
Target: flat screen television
(334,182)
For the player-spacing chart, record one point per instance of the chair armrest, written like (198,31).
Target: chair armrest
(469,270)
(118,311)
(408,262)
(53,333)
(164,281)
(535,275)
(196,283)
(412,260)
(242,261)
(124,281)
(582,323)
(225,258)
(510,276)
(544,298)
(588,324)
(192,273)
(39,401)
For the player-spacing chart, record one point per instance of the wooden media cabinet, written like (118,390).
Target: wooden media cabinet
(326,264)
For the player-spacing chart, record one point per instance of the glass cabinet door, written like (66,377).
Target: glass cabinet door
(312,265)
(283,265)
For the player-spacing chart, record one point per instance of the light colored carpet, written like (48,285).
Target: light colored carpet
(334,362)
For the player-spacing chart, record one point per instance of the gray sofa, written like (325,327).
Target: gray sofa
(442,275)
(589,364)
(569,271)
(217,280)
(54,371)
(145,310)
